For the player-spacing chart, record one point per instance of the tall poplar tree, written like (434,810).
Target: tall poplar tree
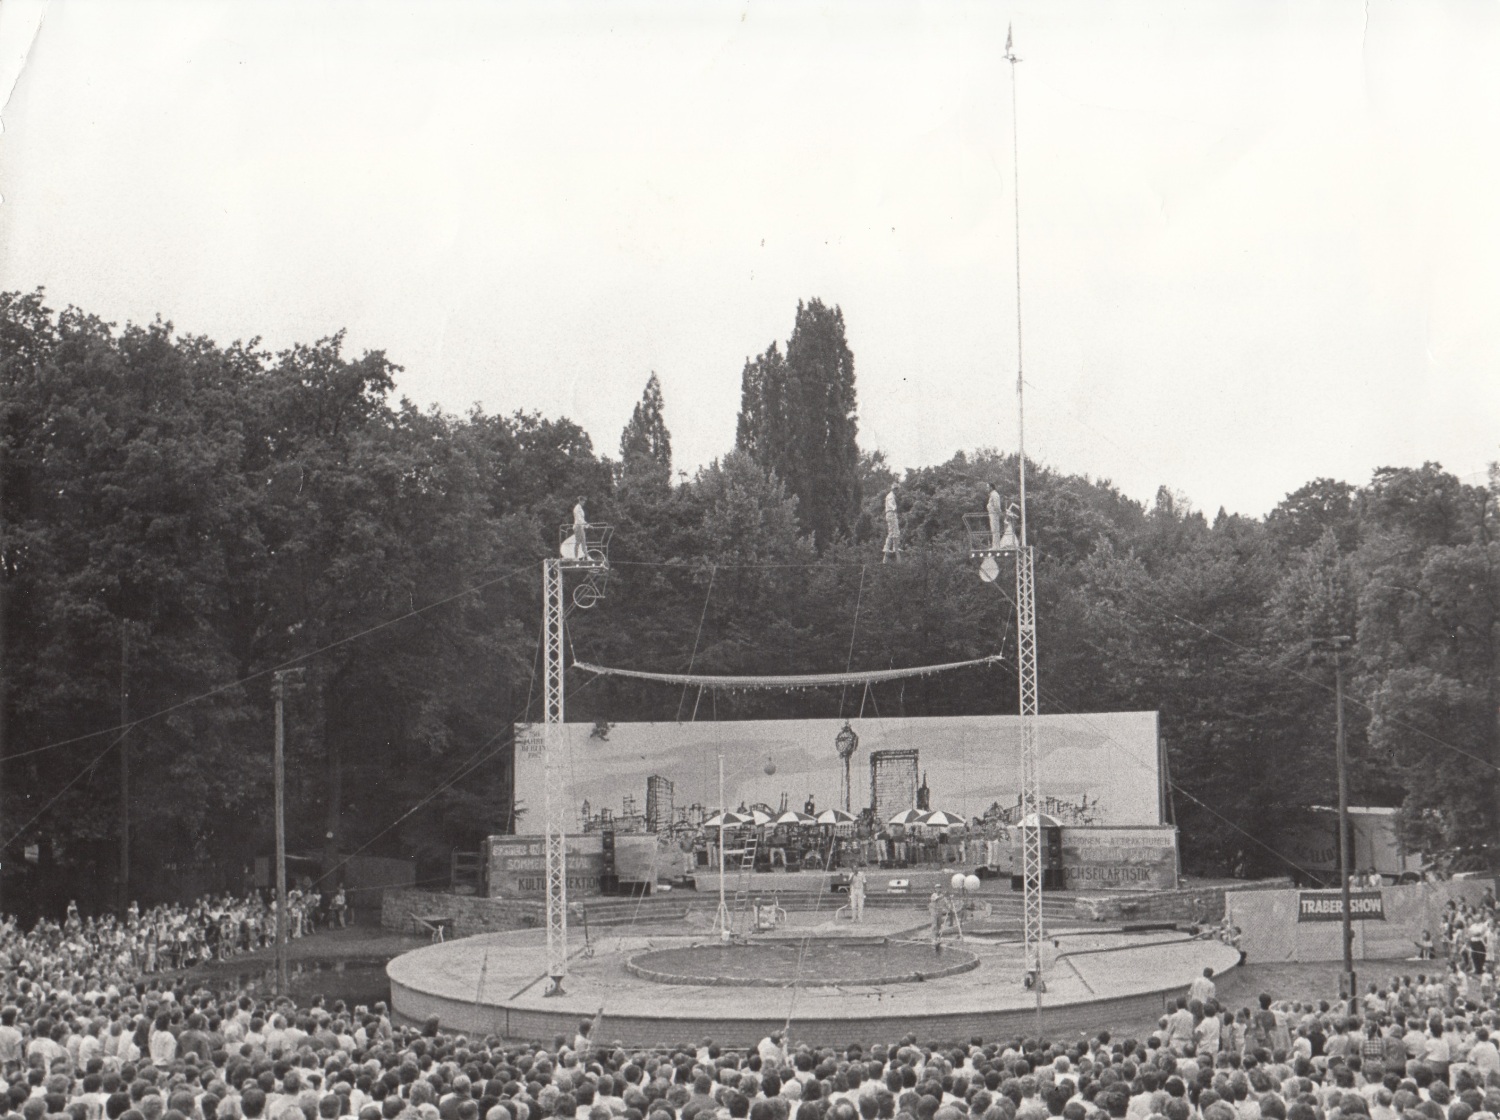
(645,444)
(798,420)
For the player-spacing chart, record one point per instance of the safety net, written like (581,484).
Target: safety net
(799,680)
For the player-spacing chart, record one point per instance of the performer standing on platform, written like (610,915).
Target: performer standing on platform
(576,547)
(992,506)
(892,547)
(857,895)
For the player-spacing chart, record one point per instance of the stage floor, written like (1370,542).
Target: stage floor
(492,984)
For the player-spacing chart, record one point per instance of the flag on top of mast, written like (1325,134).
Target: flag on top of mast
(1009,28)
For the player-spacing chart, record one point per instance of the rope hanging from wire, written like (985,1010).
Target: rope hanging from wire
(785,683)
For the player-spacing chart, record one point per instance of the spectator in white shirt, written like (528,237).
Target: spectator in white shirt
(1202,988)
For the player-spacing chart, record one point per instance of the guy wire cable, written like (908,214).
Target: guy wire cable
(853,633)
(692,657)
(269,670)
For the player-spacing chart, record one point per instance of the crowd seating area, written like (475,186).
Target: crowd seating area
(87,1033)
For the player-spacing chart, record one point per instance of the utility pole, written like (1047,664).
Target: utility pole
(1336,645)
(278,689)
(124,897)
(1341,750)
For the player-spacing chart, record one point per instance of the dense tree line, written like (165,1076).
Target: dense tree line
(179,518)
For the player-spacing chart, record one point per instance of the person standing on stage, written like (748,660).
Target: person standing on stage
(857,895)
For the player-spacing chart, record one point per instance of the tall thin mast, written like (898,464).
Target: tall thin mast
(1015,163)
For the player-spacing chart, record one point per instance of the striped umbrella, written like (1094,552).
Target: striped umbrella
(939,819)
(731,819)
(835,816)
(794,816)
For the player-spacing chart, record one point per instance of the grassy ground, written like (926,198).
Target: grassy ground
(363,940)
(338,963)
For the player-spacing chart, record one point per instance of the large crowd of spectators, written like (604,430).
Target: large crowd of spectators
(87,1034)
(163,938)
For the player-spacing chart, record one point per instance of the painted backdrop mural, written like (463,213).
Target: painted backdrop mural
(1099,769)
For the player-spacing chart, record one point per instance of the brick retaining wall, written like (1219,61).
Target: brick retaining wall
(471,914)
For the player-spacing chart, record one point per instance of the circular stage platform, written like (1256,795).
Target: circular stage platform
(842,983)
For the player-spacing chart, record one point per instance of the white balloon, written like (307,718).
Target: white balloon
(958,880)
(971,882)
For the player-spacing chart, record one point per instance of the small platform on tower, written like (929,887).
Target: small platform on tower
(989,536)
(592,551)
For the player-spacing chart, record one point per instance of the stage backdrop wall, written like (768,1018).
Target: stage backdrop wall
(1099,769)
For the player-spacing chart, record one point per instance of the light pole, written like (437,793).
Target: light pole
(846,742)
(721,915)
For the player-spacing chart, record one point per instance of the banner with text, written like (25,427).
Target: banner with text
(1328,906)
(518,866)
(1119,858)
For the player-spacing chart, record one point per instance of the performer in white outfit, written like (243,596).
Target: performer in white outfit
(992,506)
(576,546)
(892,545)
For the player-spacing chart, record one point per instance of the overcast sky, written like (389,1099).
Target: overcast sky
(1260,241)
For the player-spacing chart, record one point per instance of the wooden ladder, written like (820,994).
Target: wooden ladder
(742,887)
(466,869)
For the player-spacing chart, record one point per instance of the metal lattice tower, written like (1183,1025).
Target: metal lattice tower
(553,792)
(584,547)
(1031,783)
